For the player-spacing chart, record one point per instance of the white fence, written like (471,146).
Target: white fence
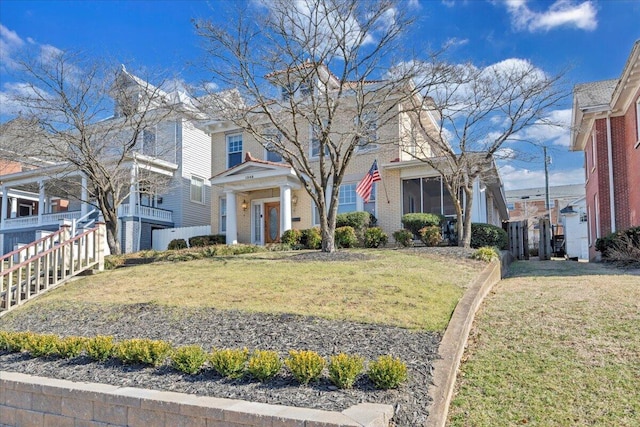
(161,238)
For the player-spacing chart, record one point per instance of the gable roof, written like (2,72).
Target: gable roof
(595,93)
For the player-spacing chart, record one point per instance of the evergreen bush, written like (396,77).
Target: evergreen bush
(431,235)
(374,237)
(387,372)
(176,244)
(488,235)
(264,365)
(414,222)
(344,369)
(403,237)
(188,359)
(229,363)
(345,237)
(305,365)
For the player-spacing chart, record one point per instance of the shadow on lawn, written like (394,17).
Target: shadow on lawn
(565,268)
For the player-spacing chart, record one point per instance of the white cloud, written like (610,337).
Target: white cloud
(414,4)
(562,13)
(554,129)
(10,44)
(515,178)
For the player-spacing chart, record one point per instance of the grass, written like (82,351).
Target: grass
(392,287)
(557,344)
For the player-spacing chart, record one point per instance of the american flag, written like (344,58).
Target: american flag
(366,184)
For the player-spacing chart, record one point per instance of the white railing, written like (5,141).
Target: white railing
(33,220)
(146,212)
(46,263)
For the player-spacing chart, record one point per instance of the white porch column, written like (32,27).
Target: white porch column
(285,208)
(232,220)
(84,194)
(40,201)
(14,206)
(5,206)
(132,191)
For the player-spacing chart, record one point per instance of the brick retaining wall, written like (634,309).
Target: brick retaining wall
(28,401)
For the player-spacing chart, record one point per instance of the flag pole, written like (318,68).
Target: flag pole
(383,184)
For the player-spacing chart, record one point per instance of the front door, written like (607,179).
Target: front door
(272,222)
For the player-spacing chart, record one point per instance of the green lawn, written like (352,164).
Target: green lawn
(556,344)
(404,288)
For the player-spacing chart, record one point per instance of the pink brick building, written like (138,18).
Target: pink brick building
(606,126)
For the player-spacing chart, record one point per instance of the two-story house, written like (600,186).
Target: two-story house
(606,126)
(168,181)
(256,196)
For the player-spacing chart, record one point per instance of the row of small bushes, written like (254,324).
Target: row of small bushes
(622,246)
(197,242)
(306,366)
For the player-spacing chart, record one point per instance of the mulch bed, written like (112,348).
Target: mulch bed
(213,328)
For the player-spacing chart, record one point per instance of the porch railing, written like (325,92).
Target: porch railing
(34,220)
(145,212)
(48,262)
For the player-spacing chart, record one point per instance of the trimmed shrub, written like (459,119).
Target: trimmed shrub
(488,235)
(188,359)
(486,254)
(70,347)
(264,365)
(357,220)
(207,240)
(142,350)
(403,238)
(305,365)
(14,341)
(387,372)
(42,345)
(414,222)
(344,369)
(100,347)
(291,237)
(431,235)
(374,237)
(229,363)
(176,244)
(311,238)
(345,237)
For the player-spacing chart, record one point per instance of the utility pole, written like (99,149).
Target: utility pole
(546,182)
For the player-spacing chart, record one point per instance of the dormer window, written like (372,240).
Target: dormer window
(297,90)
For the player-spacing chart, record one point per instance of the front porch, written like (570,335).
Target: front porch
(257,202)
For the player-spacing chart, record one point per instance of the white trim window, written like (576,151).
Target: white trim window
(234,150)
(273,139)
(197,189)
(638,122)
(149,142)
(594,152)
(347,198)
(222,223)
(314,145)
(367,126)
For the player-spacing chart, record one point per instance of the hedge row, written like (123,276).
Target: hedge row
(305,366)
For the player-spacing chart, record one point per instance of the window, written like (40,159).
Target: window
(347,198)
(583,216)
(297,90)
(197,189)
(593,150)
(370,206)
(273,139)
(149,145)
(234,150)
(223,216)
(315,142)
(367,127)
(638,122)
(426,195)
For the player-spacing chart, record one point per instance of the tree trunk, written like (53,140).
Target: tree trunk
(466,243)
(112,237)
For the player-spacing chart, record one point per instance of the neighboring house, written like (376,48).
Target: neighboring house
(183,165)
(606,126)
(256,196)
(530,204)
(574,223)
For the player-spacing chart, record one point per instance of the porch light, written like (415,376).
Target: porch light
(244,205)
(294,200)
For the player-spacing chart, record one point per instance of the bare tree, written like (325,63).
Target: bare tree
(479,110)
(319,67)
(79,116)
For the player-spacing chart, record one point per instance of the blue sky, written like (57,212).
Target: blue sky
(592,38)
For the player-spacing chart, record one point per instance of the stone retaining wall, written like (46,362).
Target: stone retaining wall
(28,401)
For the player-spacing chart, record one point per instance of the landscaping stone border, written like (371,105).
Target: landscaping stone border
(37,401)
(454,340)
